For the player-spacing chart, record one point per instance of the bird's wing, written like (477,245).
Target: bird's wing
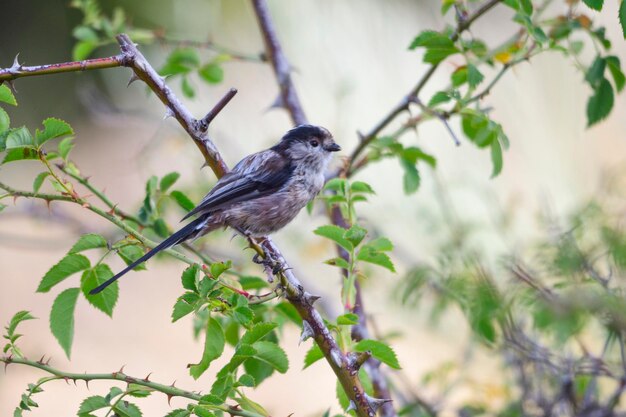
(256,175)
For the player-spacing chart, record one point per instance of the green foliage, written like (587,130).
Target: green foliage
(438,46)
(88,241)
(62,318)
(105,300)
(11,335)
(6,95)
(213,347)
(380,351)
(66,267)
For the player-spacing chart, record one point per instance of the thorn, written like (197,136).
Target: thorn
(351,406)
(173,384)
(307,331)
(147,378)
(169,398)
(360,135)
(67,380)
(11,84)
(74,381)
(40,361)
(133,78)
(168,113)
(310,299)
(121,371)
(16,64)
(278,103)
(376,403)
(87,383)
(48,361)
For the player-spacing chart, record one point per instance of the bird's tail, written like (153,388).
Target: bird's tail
(186,232)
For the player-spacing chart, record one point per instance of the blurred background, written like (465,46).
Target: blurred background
(351,65)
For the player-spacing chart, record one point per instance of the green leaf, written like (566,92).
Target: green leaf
(6,95)
(459,76)
(182,200)
(336,184)
(411,179)
(53,128)
(189,277)
(348,319)
(19,138)
(139,391)
(616,71)
(247,380)
(67,266)
(5,122)
(179,412)
(438,46)
(218,268)
(126,409)
(439,98)
(595,73)
(213,348)
(243,315)
(84,33)
(336,234)
(129,254)
(39,179)
(106,299)
(182,307)
(18,154)
(369,255)
(474,76)
(380,351)
(19,317)
(600,103)
(380,244)
(92,403)
(594,4)
(257,332)
(62,318)
(65,146)
(88,241)
(180,61)
(202,412)
(272,354)
(496,158)
(313,355)
(212,73)
(339,262)
(168,180)
(355,234)
(622,17)
(187,88)
(361,187)
(83,49)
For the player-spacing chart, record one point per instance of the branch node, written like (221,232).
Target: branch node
(307,331)
(203,124)
(357,360)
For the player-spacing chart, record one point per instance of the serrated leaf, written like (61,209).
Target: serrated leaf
(113,392)
(313,355)
(211,399)
(380,351)
(88,241)
(106,299)
(218,268)
(19,138)
(189,276)
(67,266)
(600,103)
(336,184)
(180,61)
(139,391)
(65,146)
(474,76)
(257,332)
(377,258)
(93,403)
(361,187)
(126,409)
(182,200)
(439,98)
(622,17)
(53,128)
(62,318)
(438,46)
(6,95)
(212,73)
(213,347)
(595,73)
(348,319)
(272,354)
(380,244)
(594,4)
(247,380)
(179,412)
(243,315)
(18,154)
(130,253)
(168,180)
(39,179)
(181,308)
(336,234)
(17,318)
(202,412)
(355,234)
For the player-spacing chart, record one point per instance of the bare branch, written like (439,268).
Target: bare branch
(19,71)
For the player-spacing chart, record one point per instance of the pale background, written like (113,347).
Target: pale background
(352,65)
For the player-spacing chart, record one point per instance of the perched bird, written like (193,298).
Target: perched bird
(262,193)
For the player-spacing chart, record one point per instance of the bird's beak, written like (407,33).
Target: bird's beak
(332,147)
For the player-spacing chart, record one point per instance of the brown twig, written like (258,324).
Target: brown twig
(18,71)
(279,61)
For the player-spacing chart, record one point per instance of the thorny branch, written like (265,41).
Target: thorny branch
(169,390)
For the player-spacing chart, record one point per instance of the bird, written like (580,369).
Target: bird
(261,195)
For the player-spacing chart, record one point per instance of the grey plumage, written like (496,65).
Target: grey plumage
(263,192)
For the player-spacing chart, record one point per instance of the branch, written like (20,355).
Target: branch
(18,71)
(279,61)
(169,390)
(403,105)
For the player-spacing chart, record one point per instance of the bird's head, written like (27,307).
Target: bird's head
(308,143)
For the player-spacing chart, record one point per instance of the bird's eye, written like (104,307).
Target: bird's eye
(314,143)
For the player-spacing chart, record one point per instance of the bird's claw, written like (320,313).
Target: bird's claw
(269,262)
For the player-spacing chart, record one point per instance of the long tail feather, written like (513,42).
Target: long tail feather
(177,237)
